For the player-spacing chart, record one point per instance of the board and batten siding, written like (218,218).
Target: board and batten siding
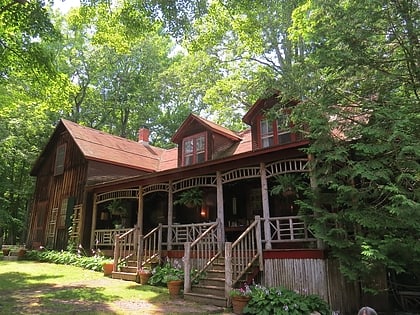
(313,276)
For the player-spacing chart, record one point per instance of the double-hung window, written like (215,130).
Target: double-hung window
(275,131)
(194,149)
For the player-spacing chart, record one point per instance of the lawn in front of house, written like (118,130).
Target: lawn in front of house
(28,287)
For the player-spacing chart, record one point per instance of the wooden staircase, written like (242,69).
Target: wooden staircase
(127,272)
(210,289)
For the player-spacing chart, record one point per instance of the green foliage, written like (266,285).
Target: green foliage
(79,259)
(279,301)
(191,198)
(162,274)
(363,118)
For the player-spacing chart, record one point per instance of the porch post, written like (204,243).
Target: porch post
(140,211)
(92,230)
(266,206)
(220,210)
(170,214)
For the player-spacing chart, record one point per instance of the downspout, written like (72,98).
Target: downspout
(266,206)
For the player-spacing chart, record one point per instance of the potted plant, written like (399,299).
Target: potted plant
(288,185)
(144,275)
(171,276)
(117,208)
(108,267)
(240,298)
(6,250)
(191,198)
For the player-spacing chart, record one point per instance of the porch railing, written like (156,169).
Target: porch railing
(289,229)
(125,246)
(182,233)
(150,247)
(200,254)
(242,254)
(106,237)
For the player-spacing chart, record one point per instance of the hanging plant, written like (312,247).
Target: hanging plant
(288,185)
(116,207)
(190,198)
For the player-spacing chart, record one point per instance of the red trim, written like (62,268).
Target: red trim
(294,254)
(273,254)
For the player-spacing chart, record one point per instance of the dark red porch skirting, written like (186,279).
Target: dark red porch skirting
(294,254)
(272,254)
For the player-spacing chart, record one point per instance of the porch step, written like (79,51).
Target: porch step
(129,276)
(206,299)
(210,289)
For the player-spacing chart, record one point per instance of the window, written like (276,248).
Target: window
(194,149)
(275,132)
(60,156)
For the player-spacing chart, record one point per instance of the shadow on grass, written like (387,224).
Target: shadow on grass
(19,296)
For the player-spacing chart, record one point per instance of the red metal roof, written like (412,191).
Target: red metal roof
(100,146)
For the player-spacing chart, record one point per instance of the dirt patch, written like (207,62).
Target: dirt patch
(29,301)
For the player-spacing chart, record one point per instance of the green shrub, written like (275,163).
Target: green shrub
(166,272)
(280,301)
(79,259)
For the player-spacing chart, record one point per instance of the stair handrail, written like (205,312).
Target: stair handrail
(124,246)
(205,249)
(246,250)
(150,247)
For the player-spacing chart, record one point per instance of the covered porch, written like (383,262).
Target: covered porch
(233,198)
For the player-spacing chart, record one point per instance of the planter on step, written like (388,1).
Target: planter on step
(21,253)
(239,303)
(144,277)
(108,268)
(174,287)
(6,251)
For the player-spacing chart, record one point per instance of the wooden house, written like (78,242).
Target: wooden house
(237,226)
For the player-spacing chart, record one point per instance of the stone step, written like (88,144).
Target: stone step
(206,299)
(125,276)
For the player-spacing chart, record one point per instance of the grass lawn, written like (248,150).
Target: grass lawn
(28,287)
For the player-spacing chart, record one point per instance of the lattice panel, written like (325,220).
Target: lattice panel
(201,181)
(118,194)
(241,173)
(287,166)
(75,229)
(51,232)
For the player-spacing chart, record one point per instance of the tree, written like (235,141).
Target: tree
(360,79)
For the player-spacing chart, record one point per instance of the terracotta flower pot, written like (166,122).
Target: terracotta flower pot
(174,287)
(108,268)
(239,303)
(21,253)
(6,251)
(144,277)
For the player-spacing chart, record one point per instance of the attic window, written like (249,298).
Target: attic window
(194,149)
(60,156)
(275,132)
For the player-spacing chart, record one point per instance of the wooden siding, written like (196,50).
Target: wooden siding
(51,190)
(314,276)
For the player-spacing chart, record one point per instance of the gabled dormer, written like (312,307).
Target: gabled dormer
(200,140)
(271,130)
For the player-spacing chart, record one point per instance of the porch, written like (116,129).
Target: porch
(217,265)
